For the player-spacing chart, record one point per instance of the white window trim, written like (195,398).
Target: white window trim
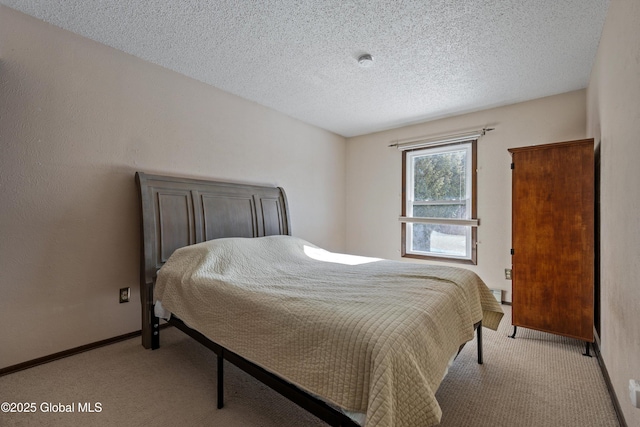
(409,219)
(445,221)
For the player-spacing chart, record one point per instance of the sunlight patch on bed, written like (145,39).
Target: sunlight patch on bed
(326,256)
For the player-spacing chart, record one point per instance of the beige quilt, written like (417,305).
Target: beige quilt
(368,335)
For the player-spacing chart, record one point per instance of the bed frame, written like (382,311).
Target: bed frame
(177,212)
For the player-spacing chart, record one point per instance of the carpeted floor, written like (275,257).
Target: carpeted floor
(537,379)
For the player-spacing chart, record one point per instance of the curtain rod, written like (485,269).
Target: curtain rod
(447,139)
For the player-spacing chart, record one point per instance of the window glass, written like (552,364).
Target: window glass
(440,176)
(441,239)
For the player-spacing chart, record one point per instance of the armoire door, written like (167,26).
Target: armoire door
(553,238)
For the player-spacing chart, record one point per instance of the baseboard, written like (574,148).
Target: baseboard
(607,380)
(66,353)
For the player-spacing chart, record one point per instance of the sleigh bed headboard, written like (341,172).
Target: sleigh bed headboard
(177,212)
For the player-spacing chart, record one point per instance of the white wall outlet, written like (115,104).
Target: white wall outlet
(507,273)
(634,392)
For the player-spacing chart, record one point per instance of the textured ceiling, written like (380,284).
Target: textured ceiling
(432,58)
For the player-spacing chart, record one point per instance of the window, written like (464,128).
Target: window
(439,202)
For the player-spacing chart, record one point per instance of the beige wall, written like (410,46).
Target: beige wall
(614,121)
(77,119)
(374,176)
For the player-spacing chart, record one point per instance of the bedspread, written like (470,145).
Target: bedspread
(368,335)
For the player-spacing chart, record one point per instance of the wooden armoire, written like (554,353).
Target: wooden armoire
(553,238)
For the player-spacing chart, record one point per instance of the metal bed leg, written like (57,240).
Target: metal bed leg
(515,328)
(479,332)
(155,330)
(220,380)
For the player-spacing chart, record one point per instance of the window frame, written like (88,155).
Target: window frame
(405,238)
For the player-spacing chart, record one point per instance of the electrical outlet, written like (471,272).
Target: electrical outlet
(125,294)
(507,273)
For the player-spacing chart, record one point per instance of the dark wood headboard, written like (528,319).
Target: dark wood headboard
(177,212)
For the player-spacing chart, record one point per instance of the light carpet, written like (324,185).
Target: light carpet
(537,379)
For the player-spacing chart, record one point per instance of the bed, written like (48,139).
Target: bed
(354,340)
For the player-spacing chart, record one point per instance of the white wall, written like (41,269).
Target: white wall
(374,176)
(77,119)
(614,122)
